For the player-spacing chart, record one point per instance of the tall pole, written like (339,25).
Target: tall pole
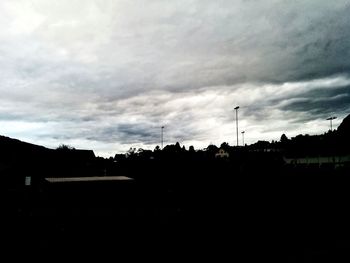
(162,136)
(236,108)
(331,125)
(331,119)
(243,136)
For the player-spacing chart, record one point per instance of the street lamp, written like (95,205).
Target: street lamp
(236,108)
(162,128)
(243,136)
(330,119)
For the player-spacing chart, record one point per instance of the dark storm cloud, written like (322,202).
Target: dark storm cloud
(320,47)
(128,134)
(321,102)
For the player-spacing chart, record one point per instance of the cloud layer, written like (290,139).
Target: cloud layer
(107,74)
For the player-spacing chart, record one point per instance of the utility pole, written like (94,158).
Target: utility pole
(332,137)
(243,136)
(236,108)
(331,119)
(162,128)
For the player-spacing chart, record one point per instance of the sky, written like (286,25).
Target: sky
(107,74)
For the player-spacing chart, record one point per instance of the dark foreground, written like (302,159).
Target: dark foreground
(248,219)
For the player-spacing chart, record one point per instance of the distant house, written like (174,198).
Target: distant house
(222,154)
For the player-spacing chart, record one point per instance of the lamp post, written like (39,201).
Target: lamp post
(162,128)
(236,108)
(331,119)
(243,136)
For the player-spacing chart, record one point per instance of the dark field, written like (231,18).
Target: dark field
(280,218)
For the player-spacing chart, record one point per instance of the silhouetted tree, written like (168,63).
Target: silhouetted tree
(261,145)
(157,148)
(131,152)
(284,138)
(225,146)
(211,150)
(64,147)
(177,146)
(119,157)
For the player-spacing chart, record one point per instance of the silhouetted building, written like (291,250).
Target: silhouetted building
(84,155)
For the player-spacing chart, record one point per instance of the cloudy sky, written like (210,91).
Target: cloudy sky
(107,74)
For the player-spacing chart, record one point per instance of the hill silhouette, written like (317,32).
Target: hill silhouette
(343,132)
(344,127)
(12,146)
(19,159)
